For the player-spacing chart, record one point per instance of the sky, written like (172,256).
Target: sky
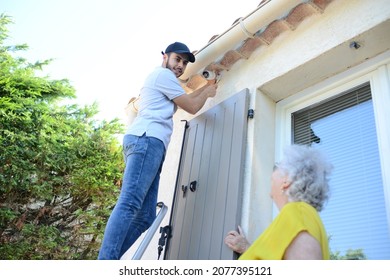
(106,48)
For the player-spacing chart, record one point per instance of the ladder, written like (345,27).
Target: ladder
(151,231)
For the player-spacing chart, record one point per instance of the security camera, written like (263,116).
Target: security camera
(209,75)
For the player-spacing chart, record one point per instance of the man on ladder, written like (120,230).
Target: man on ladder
(145,144)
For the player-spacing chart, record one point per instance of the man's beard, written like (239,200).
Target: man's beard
(171,68)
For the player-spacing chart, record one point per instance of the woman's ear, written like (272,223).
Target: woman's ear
(286,184)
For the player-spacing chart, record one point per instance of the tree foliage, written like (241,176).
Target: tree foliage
(60,169)
(350,254)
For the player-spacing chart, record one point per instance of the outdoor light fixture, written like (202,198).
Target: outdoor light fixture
(354,45)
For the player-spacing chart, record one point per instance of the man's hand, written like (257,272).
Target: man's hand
(211,89)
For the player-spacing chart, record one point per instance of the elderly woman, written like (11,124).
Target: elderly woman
(299,189)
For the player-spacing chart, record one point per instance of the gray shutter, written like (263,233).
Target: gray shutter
(212,156)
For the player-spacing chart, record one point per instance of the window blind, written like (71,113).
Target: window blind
(344,127)
(302,120)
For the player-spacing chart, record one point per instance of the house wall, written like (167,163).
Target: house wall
(317,50)
(314,53)
(321,45)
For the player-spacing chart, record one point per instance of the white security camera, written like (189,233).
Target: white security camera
(210,75)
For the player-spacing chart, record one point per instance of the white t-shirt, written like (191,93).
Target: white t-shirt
(156,107)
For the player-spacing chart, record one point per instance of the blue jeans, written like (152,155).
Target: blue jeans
(135,210)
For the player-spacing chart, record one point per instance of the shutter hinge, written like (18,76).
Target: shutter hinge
(251,113)
(165,235)
(186,124)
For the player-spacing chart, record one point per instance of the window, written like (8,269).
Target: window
(344,127)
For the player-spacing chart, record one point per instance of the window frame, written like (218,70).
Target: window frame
(377,73)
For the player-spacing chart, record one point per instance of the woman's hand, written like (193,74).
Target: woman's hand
(237,241)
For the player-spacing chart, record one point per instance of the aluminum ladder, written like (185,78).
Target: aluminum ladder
(151,231)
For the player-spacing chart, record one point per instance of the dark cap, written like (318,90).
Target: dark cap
(178,47)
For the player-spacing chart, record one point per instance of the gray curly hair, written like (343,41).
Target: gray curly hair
(308,170)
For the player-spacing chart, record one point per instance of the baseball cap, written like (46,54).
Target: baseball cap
(178,47)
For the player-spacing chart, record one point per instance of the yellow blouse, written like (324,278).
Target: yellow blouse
(292,219)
